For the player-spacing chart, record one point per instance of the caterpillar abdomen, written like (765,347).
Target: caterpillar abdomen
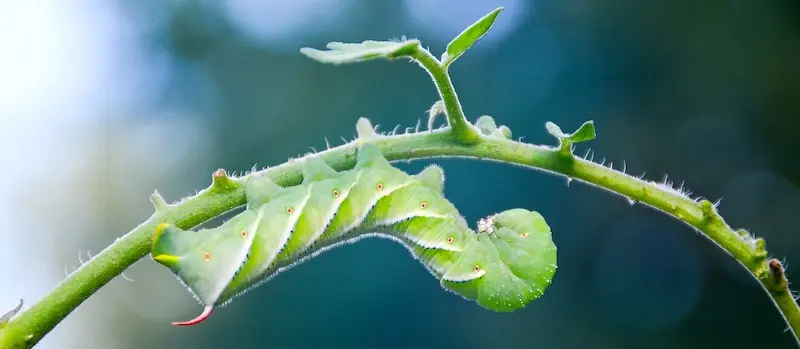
(508,262)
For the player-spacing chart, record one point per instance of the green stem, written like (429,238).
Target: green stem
(28,328)
(461,127)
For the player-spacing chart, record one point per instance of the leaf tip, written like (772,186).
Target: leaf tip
(463,41)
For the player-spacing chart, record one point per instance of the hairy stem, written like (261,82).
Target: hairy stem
(461,127)
(225,194)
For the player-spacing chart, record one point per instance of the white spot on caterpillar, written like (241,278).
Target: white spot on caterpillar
(486,225)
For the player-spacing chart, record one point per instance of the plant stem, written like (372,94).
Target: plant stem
(28,328)
(461,127)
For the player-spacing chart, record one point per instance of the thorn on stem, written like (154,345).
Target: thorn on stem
(743,233)
(437,109)
(709,211)
(777,271)
(7,316)
(365,129)
(221,181)
(219,174)
(158,202)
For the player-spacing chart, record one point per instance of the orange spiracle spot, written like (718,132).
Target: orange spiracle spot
(379,186)
(524,235)
(289,210)
(207,256)
(450,240)
(335,193)
(423,205)
(477,268)
(243,234)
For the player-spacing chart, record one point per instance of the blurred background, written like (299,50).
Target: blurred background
(102,102)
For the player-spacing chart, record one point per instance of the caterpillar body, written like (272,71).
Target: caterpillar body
(509,261)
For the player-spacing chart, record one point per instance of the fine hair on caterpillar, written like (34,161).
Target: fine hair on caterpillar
(509,261)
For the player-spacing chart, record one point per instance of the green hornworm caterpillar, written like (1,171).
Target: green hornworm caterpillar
(508,262)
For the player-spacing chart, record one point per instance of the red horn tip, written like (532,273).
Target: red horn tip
(200,318)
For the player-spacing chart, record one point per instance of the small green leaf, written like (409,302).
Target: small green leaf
(583,134)
(342,53)
(469,37)
(486,125)
(505,131)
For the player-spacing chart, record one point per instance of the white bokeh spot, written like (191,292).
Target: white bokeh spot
(284,23)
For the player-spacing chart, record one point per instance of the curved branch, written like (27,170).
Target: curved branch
(224,194)
(461,128)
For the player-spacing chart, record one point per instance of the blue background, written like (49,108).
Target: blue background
(102,102)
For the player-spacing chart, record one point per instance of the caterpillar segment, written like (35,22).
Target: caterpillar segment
(503,266)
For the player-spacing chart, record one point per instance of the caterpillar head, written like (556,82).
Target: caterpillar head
(510,261)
